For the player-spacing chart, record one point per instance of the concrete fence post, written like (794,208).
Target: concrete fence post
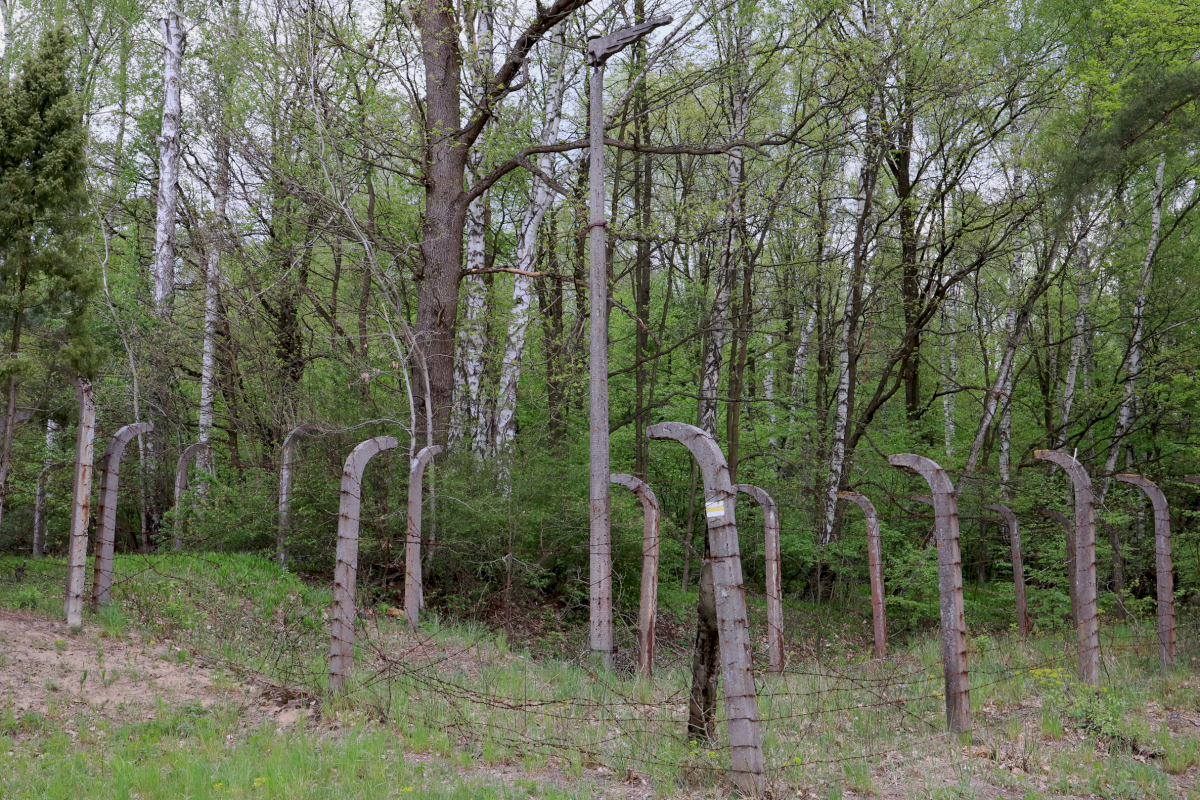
(741,699)
(414,586)
(1164,568)
(110,472)
(1118,566)
(285,488)
(181,486)
(1024,623)
(1069,536)
(345,574)
(954,627)
(648,602)
(1087,622)
(774,581)
(874,568)
(39,509)
(80,501)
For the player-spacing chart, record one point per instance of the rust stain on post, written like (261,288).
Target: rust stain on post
(954,625)
(1087,622)
(285,487)
(414,587)
(1163,567)
(110,471)
(181,486)
(345,574)
(1018,566)
(648,604)
(80,501)
(774,582)
(875,568)
(741,699)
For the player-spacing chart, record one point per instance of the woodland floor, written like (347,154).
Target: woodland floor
(137,705)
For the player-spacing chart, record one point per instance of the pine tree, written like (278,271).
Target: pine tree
(43,279)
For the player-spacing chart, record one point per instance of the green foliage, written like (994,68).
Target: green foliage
(42,202)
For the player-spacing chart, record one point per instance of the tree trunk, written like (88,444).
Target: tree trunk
(168,163)
(1133,362)
(527,248)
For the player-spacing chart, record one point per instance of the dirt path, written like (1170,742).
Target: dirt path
(42,663)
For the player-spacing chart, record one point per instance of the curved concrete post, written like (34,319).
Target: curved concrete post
(1087,623)
(954,625)
(1069,534)
(1163,567)
(80,501)
(414,587)
(1024,623)
(181,486)
(39,509)
(774,582)
(648,603)
(110,471)
(345,574)
(285,487)
(1118,566)
(875,568)
(741,700)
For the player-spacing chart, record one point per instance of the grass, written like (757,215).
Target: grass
(459,706)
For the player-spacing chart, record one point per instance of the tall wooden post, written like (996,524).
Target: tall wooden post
(648,602)
(181,486)
(741,699)
(285,488)
(774,581)
(874,568)
(110,471)
(954,624)
(80,501)
(414,586)
(1024,623)
(1164,568)
(1087,622)
(345,574)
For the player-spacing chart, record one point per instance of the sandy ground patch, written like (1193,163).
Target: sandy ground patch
(43,662)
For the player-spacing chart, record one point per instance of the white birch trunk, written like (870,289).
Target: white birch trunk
(468,417)
(518,326)
(800,369)
(1077,349)
(950,349)
(168,164)
(710,375)
(1134,362)
(769,388)
(838,440)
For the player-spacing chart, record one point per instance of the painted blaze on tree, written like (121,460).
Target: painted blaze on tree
(43,280)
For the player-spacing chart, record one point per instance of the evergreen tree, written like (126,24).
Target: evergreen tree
(44,282)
